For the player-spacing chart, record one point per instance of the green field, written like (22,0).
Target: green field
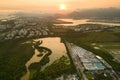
(86,39)
(58,68)
(13,56)
(89,75)
(15,53)
(111,48)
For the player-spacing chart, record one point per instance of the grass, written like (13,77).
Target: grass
(108,46)
(13,56)
(111,47)
(89,75)
(56,69)
(100,37)
(32,73)
(87,39)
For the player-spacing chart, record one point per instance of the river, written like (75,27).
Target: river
(54,44)
(83,21)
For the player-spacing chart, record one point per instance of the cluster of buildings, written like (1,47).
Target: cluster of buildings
(91,27)
(23,28)
(68,77)
(88,59)
(90,63)
(87,27)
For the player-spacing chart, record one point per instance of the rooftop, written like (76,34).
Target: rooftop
(88,59)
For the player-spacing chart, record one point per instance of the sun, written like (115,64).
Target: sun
(62,7)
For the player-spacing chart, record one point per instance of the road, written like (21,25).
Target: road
(76,61)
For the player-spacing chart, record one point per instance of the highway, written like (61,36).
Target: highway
(76,61)
(79,66)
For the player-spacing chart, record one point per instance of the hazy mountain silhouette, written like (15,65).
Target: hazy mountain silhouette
(98,13)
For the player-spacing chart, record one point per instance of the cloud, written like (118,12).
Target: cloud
(52,5)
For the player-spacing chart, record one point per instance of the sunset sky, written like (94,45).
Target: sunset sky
(54,5)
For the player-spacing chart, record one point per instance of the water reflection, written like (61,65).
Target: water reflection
(84,21)
(54,44)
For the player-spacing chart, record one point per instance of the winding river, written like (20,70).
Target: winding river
(54,44)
